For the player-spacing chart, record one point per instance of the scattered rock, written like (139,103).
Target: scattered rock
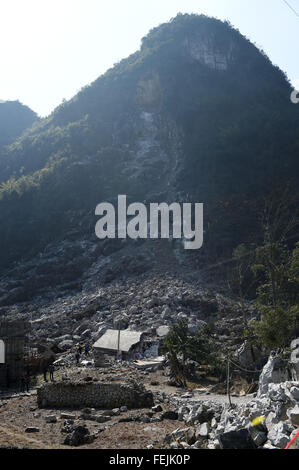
(295,393)
(157,408)
(80,435)
(172,415)
(67,416)
(51,419)
(278,436)
(203,431)
(31,429)
(294,416)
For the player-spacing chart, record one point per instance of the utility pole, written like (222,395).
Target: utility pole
(118,341)
(228,382)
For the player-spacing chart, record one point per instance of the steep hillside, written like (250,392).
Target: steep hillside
(197,114)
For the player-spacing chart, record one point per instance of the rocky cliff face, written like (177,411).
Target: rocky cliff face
(203,49)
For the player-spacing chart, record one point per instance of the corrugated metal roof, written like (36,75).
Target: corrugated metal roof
(109,340)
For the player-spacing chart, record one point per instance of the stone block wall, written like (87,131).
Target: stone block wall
(70,395)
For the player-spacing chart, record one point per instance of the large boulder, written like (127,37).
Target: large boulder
(279,435)
(275,371)
(259,436)
(294,416)
(294,391)
(250,355)
(172,415)
(240,439)
(79,436)
(294,362)
(203,431)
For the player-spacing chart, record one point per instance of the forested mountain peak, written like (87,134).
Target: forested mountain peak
(198,113)
(14,119)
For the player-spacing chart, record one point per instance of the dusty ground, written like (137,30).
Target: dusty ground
(22,411)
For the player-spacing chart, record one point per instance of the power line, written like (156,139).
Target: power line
(245,370)
(290,6)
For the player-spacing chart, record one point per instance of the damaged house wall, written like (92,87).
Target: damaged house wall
(12,343)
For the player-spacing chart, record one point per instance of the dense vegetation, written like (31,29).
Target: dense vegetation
(268,274)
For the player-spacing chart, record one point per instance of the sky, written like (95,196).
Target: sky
(50,49)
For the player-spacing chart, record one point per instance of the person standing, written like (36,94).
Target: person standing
(22,384)
(7,376)
(27,379)
(77,358)
(27,383)
(45,370)
(51,370)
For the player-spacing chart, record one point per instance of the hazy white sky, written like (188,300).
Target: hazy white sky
(51,48)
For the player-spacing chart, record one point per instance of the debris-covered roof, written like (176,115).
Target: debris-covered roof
(109,340)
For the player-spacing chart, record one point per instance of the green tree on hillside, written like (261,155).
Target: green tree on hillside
(277,266)
(180,345)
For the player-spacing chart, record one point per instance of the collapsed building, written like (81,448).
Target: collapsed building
(127,344)
(13,339)
(113,342)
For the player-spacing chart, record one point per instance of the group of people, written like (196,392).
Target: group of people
(80,351)
(49,368)
(25,381)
